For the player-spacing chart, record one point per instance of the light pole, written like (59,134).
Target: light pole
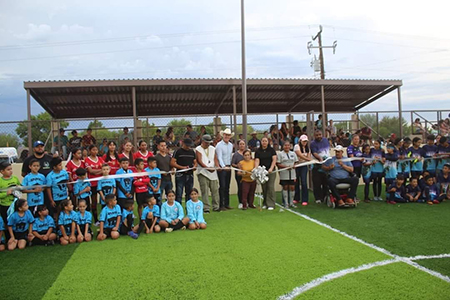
(244,76)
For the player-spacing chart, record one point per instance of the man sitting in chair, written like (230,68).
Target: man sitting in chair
(341,172)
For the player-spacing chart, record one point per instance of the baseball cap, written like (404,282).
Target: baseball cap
(38,143)
(339,148)
(188,142)
(304,137)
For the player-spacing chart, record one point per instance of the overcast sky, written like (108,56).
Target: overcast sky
(72,40)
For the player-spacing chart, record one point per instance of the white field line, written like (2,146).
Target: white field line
(408,260)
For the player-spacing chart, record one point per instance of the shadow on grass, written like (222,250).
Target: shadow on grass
(29,273)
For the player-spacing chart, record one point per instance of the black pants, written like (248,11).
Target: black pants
(179,225)
(124,229)
(357,171)
(239,185)
(4,216)
(376,177)
(353,181)
(147,222)
(320,187)
(398,200)
(224,188)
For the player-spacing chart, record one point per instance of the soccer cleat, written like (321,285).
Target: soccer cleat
(318,201)
(304,203)
(240,206)
(183,228)
(270,208)
(264,207)
(296,202)
(168,229)
(133,234)
(430,203)
(97,224)
(392,202)
(293,206)
(436,202)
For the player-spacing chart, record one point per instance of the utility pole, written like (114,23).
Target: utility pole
(244,76)
(322,71)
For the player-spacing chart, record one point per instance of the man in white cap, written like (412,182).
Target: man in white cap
(224,151)
(207,175)
(339,172)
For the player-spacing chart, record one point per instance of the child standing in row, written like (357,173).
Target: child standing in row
(94,167)
(124,185)
(20,225)
(416,152)
(141,184)
(57,180)
(390,168)
(110,219)
(172,215)
(366,171)
(2,236)
(248,184)
(43,228)
(378,156)
(106,186)
(7,181)
(82,188)
(35,196)
(155,179)
(194,208)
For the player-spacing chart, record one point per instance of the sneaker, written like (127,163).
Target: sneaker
(293,206)
(430,203)
(296,202)
(97,224)
(318,201)
(133,234)
(240,206)
(183,228)
(367,200)
(436,202)
(304,203)
(392,202)
(252,206)
(264,207)
(270,208)
(168,229)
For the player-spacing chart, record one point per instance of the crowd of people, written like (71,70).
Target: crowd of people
(60,203)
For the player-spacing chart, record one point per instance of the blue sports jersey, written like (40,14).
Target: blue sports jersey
(442,161)
(443,182)
(107,186)
(125,214)
(195,211)
(417,154)
(366,171)
(84,219)
(58,183)
(126,183)
(356,152)
(431,192)
(429,151)
(20,223)
(109,216)
(30,180)
(2,228)
(403,166)
(81,185)
(66,220)
(170,213)
(390,166)
(155,210)
(154,178)
(43,225)
(377,154)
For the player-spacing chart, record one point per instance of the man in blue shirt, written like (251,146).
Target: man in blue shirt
(320,149)
(339,172)
(224,152)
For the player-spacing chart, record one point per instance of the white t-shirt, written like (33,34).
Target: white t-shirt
(287,159)
(297,148)
(208,155)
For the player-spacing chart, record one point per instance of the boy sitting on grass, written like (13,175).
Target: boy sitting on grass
(431,191)
(150,216)
(397,193)
(110,219)
(413,191)
(127,226)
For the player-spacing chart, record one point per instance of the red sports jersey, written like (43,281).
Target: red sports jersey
(141,184)
(113,163)
(95,165)
(131,166)
(71,168)
(139,154)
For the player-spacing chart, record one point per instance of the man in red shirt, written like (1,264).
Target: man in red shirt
(88,139)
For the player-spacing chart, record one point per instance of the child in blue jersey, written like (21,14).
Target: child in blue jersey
(377,154)
(84,221)
(443,154)
(155,179)
(443,178)
(431,191)
(124,185)
(110,219)
(2,235)
(397,191)
(172,215)
(43,228)
(57,182)
(404,167)
(35,195)
(106,186)
(413,191)
(127,226)
(82,188)
(429,154)
(194,208)
(67,223)
(390,168)
(150,217)
(20,225)
(417,153)
(366,171)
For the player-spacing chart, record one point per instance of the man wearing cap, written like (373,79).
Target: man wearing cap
(60,142)
(339,172)
(184,158)
(208,179)
(224,152)
(39,154)
(124,135)
(254,143)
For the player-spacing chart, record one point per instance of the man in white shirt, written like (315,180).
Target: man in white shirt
(224,152)
(208,179)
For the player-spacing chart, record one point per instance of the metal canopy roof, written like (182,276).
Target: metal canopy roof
(113,98)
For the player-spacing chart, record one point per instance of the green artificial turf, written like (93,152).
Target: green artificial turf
(442,265)
(395,281)
(242,255)
(29,273)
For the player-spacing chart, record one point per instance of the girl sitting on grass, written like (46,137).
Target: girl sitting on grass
(66,223)
(172,215)
(20,225)
(43,228)
(84,221)
(194,209)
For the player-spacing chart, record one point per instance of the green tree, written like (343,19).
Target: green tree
(148,130)
(368,120)
(40,129)
(9,140)
(390,125)
(179,127)
(100,132)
